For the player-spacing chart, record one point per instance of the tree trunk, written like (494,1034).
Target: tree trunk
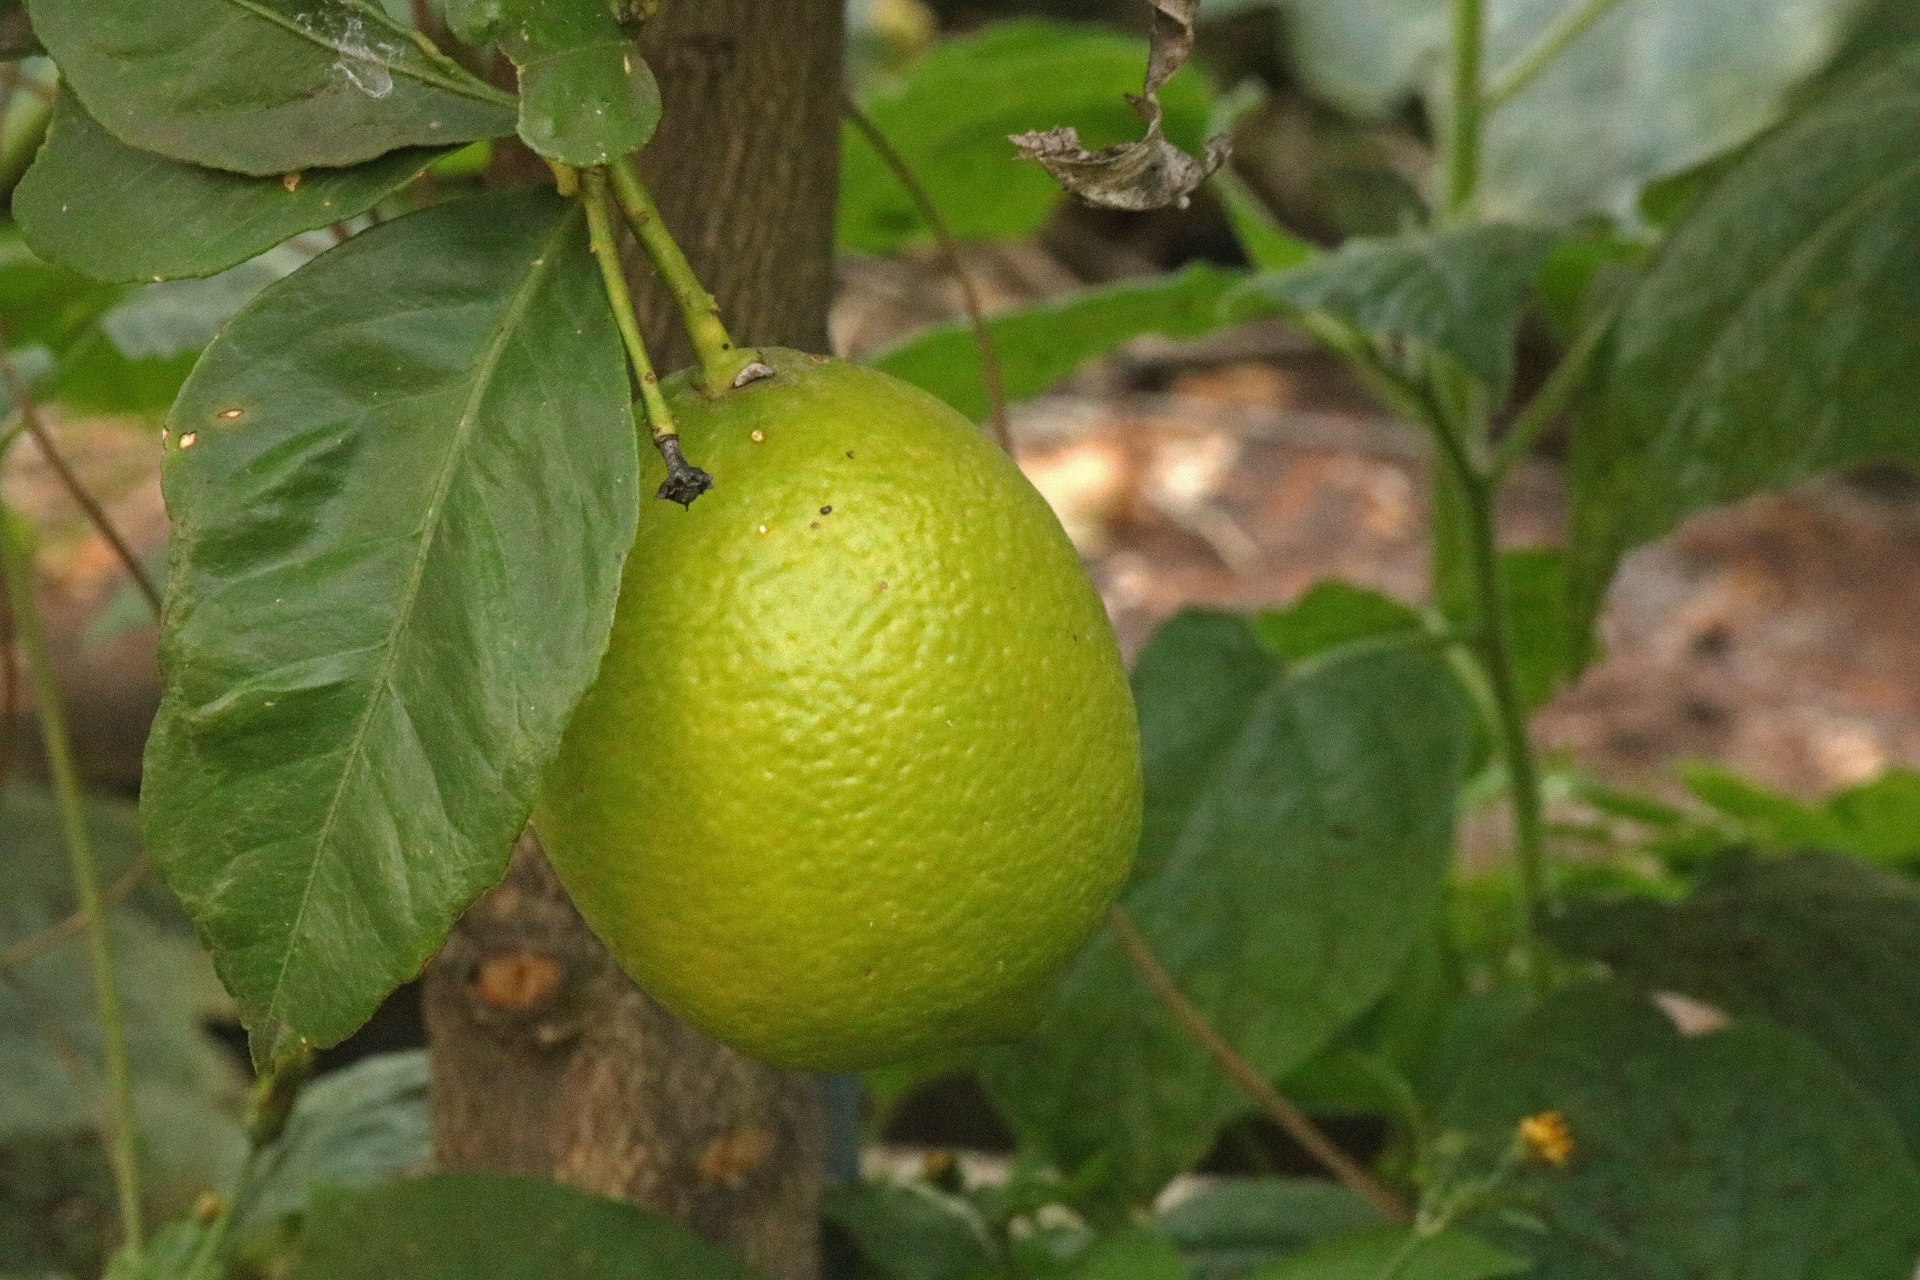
(547,1060)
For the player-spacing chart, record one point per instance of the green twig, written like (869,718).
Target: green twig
(721,363)
(990,375)
(121,1133)
(1571,26)
(1463,132)
(684,482)
(1566,378)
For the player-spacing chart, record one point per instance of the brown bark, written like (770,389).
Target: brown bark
(547,1060)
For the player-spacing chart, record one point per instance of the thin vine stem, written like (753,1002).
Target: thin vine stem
(991,377)
(121,1132)
(685,482)
(1559,36)
(1463,133)
(721,363)
(1292,1121)
(33,946)
(29,410)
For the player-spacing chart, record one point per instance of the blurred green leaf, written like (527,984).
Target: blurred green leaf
(186,1089)
(1744,1152)
(950,114)
(1459,292)
(912,1231)
(1268,245)
(173,1254)
(363,1124)
(1295,841)
(1038,345)
(325,82)
(586,94)
(1400,1253)
(1824,944)
(1773,336)
(377,623)
(482,1226)
(1653,88)
(111,212)
(1333,613)
(1228,1230)
(1134,1253)
(1879,819)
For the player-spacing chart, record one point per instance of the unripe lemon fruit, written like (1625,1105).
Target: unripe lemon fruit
(860,769)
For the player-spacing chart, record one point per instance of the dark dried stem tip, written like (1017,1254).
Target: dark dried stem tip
(684,481)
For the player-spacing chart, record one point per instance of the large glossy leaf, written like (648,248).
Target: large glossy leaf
(1297,832)
(586,94)
(1653,88)
(402,483)
(951,113)
(478,1226)
(1744,1153)
(1040,344)
(264,86)
(361,1125)
(1774,336)
(1459,292)
(113,212)
(186,1090)
(1827,945)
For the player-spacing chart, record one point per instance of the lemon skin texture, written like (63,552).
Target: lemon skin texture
(860,770)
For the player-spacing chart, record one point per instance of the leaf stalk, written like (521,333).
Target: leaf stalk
(121,1123)
(721,363)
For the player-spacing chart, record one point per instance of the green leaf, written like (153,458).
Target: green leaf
(112,212)
(402,484)
(361,1125)
(264,87)
(480,1226)
(1226,1231)
(949,117)
(45,305)
(1653,88)
(176,1253)
(136,355)
(912,1231)
(1040,344)
(1400,1253)
(1331,614)
(1295,842)
(1773,337)
(1268,245)
(1459,292)
(586,94)
(1740,1153)
(1879,819)
(1824,944)
(186,1090)
(1132,1254)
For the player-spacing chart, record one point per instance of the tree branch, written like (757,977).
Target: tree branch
(950,255)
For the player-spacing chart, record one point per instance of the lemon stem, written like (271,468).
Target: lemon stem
(721,363)
(684,482)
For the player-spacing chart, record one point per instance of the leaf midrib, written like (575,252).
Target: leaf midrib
(471,89)
(538,270)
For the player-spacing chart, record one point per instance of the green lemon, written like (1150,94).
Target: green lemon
(860,770)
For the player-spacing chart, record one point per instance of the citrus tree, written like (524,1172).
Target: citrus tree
(820,720)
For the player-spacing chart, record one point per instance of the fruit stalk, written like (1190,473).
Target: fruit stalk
(121,1132)
(684,482)
(721,363)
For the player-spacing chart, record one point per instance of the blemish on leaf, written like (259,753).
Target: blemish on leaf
(826,511)
(230,414)
(763,528)
(291,181)
(757,436)
(187,440)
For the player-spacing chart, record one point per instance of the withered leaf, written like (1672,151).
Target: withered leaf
(1151,173)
